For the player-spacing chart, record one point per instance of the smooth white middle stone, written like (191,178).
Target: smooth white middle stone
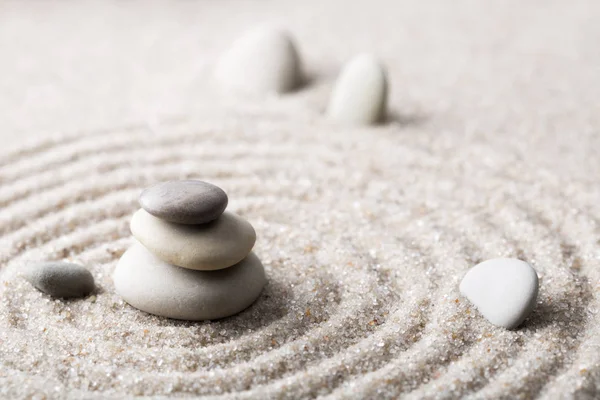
(211,246)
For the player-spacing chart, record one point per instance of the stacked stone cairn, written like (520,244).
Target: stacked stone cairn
(192,260)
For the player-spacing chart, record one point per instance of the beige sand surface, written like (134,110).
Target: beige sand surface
(492,150)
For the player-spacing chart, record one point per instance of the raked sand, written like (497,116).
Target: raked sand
(491,150)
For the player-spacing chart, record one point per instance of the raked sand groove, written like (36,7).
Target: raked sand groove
(364,243)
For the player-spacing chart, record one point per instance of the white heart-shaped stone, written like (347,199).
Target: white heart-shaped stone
(263,61)
(504,290)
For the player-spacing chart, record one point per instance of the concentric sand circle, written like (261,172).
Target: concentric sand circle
(364,235)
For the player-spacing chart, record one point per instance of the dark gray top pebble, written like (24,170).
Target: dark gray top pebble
(184,202)
(60,279)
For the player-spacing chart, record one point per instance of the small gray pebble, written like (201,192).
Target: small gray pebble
(184,202)
(60,279)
